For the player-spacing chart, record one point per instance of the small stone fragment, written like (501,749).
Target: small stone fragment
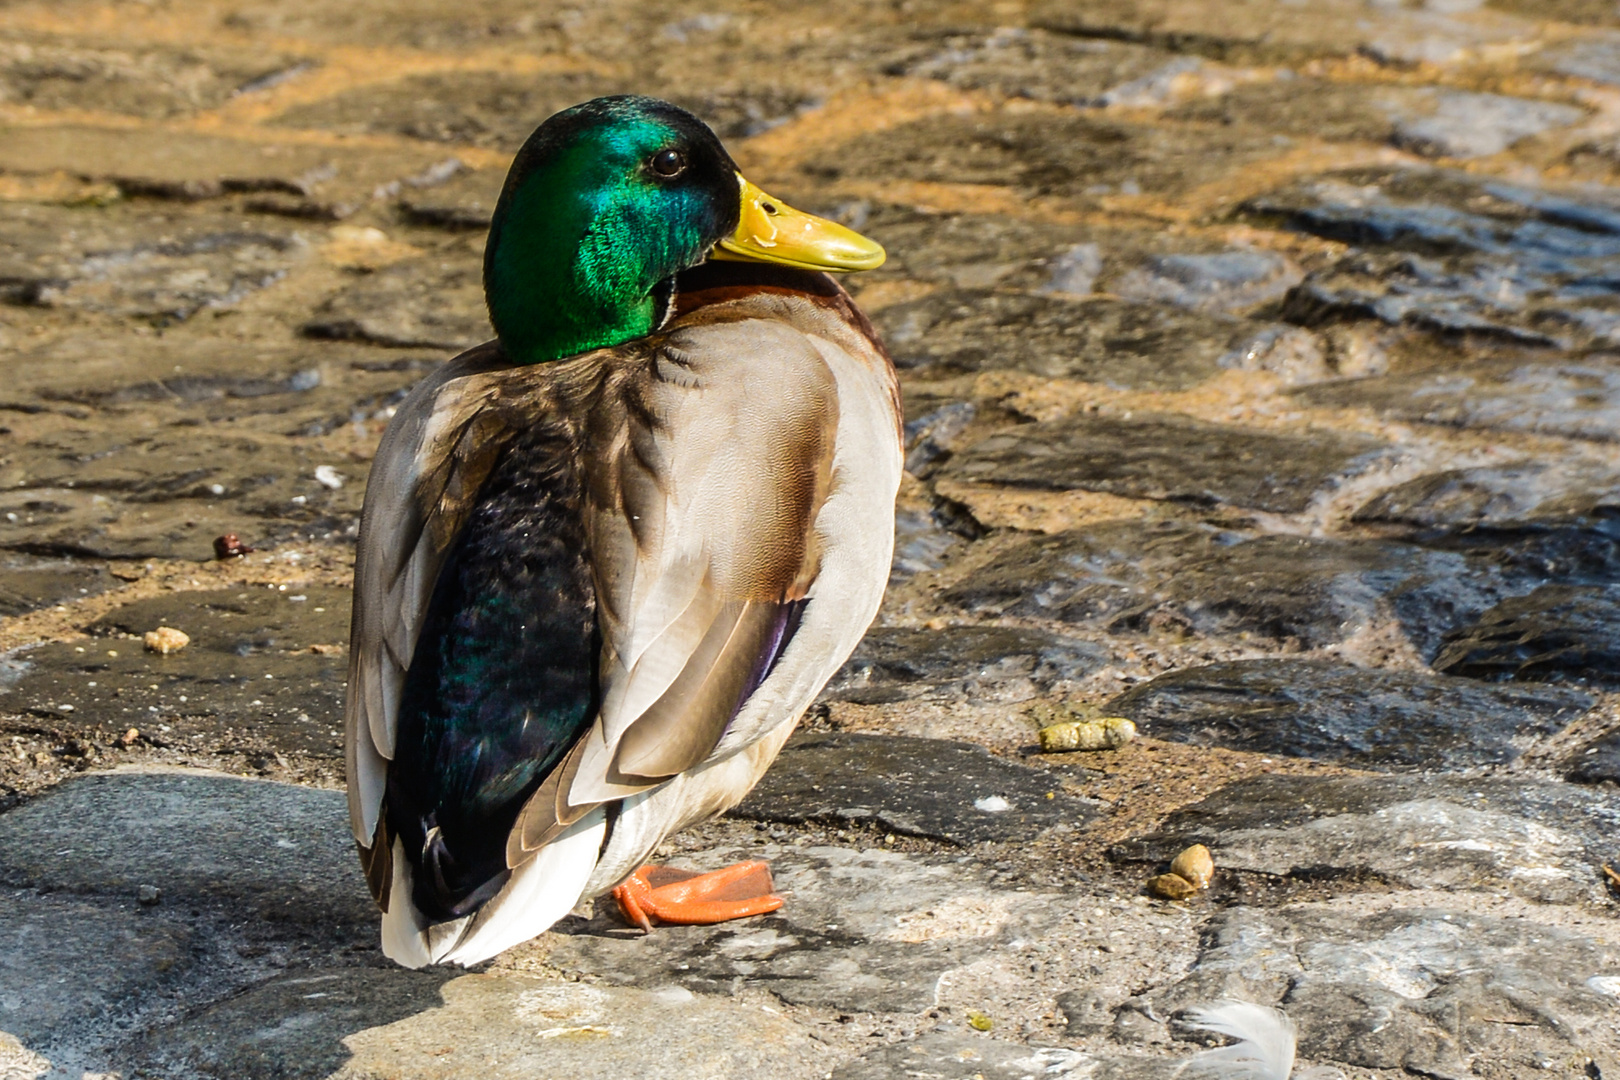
(230,546)
(1194,866)
(326,650)
(130,737)
(1104,733)
(165,640)
(148,895)
(978,1021)
(1172,887)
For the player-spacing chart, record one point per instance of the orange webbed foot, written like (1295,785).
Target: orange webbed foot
(684,897)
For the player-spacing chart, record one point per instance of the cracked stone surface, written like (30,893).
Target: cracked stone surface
(1348,715)
(867,931)
(1441,990)
(1540,840)
(950,791)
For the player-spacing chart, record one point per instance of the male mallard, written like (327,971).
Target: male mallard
(607,560)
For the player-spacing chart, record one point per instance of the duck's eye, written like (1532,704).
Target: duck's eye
(667,163)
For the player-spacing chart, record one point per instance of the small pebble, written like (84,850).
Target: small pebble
(148,895)
(166,640)
(1194,865)
(1172,887)
(130,737)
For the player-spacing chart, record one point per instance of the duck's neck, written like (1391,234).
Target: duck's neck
(565,272)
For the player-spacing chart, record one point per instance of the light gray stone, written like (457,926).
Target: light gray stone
(948,1053)
(74,968)
(1225,281)
(282,853)
(1469,125)
(354,1024)
(868,930)
(1430,990)
(1539,840)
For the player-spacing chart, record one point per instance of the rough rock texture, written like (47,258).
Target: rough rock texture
(867,931)
(1259,368)
(277,852)
(1163,458)
(977,663)
(914,787)
(264,667)
(1348,715)
(1542,840)
(1425,989)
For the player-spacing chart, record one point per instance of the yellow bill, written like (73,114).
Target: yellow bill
(771,231)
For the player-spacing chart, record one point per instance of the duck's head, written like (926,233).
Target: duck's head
(606,202)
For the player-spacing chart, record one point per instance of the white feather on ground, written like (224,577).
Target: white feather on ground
(1265,1043)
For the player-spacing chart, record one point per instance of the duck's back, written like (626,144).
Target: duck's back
(614,581)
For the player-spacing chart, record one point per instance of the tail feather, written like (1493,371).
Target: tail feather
(537,894)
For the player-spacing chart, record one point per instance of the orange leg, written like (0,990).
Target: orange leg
(686,898)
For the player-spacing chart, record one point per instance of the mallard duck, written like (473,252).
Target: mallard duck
(608,559)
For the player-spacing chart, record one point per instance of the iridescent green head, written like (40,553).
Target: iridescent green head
(605,203)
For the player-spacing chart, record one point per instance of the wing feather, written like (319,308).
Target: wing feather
(432,459)
(707,455)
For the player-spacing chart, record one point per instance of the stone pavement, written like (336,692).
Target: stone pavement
(1262,370)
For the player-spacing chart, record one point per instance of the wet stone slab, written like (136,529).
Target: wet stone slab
(1536,839)
(1558,633)
(282,853)
(1079,157)
(967,251)
(1142,346)
(1279,32)
(1461,124)
(1425,989)
(1456,254)
(292,1027)
(156,265)
(250,680)
(463,202)
(529,1027)
(480,108)
(1595,763)
(1348,715)
(111,490)
(1031,63)
(28,584)
(436,303)
(1577,398)
(302,179)
(150,81)
(1134,577)
(1526,494)
(1230,281)
(862,931)
(70,964)
(976,663)
(935,788)
(1165,457)
(466,108)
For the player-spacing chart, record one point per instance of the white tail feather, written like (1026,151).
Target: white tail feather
(540,892)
